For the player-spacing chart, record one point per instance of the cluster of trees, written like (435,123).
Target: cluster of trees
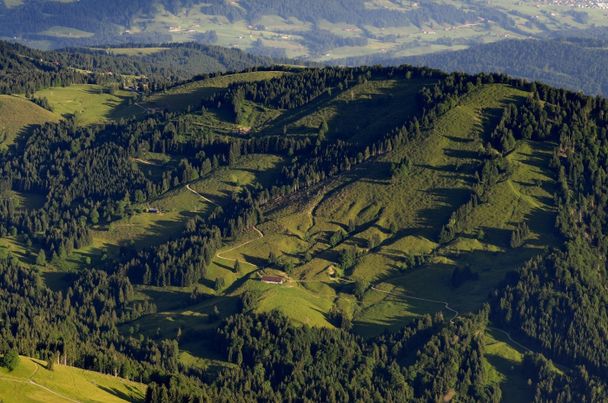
(520,235)
(10,360)
(294,90)
(401,167)
(319,41)
(492,171)
(85,177)
(426,361)
(77,326)
(529,120)
(557,301)
(180,262)
(25,70)
(551,385)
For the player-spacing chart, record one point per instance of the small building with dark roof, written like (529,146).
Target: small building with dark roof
(277,280)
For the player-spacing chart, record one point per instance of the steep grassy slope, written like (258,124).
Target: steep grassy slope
(353,114)
(32,382)
(401,216)
(18,115)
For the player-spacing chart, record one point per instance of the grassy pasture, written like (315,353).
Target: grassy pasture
(66,32)
(32,382)
(89,104)
(405,215)
(18,115)
(503,362)
(135,51)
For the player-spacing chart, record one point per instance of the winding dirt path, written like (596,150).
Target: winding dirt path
(444,303)
(200,195)
(518,344)
(219,254)
(32,382)
(456,314)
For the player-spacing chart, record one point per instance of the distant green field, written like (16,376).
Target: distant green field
(135,51)
(191,94)
(426,36)
(66,32)
(89,104)
(32,382)
(18,115)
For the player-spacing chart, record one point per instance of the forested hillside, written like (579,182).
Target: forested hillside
(296,233)
(24,70)
(575,64)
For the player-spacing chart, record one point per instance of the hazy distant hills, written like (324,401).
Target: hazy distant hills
(315,29)
(579,64)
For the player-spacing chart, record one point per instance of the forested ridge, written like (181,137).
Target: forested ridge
(25,70)
(88,178)
(574,63)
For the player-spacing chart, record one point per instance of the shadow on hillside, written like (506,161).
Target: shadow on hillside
(23,135)
(354,119)
(118,393)
(242,280)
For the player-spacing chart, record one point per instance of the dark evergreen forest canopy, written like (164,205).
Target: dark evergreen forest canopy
(24,70)
(306,234)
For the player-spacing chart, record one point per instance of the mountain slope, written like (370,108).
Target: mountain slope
(578,65)
(318,233)
(18,115)
(25,70)
(32,382)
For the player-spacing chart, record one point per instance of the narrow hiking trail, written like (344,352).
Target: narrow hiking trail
(444,303)
(30,381)
(518,344)
(260,236)
(200,195)
(219,254)
(456,314)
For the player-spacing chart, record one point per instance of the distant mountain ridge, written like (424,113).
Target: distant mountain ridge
(24,69)
(577,64)
(315,29)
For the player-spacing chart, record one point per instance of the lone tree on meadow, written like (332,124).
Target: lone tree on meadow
(41,258)
(10,360)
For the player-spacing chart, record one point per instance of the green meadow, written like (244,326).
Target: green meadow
(32,382)
(89,104)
